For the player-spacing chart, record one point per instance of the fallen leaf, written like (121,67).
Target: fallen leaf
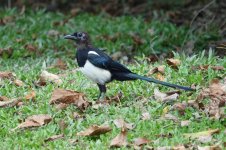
(18,82)
(120,123)
(218,67)
(170,117)
(10,103)
(49,77)
(179,147)
(185,123)
(174,63)
(160,77)
(61,106)
(163,148)
(4,98)
(145,116)
(180,107)
(60,64)
(203,133)
(35,121)
(214,147)
(204,139)
(159,95)
(141,141)
(69,97)
(7,75)
(170,98)
(30,48)
(163,97)
(160,69)
(216,93)
(120,140)
(54,137)
(30,96)
(95,130)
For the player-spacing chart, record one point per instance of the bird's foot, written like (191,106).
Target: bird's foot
(102,97)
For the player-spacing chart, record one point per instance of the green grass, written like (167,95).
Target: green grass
(32,27)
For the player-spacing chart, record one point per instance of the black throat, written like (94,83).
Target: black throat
(81,56)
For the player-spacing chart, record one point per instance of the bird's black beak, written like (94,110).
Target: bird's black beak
(71,37)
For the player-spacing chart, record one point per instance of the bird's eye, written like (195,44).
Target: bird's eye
(79,34)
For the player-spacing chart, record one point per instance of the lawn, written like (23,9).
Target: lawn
(36,39)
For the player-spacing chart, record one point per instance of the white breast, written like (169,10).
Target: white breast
(96,74)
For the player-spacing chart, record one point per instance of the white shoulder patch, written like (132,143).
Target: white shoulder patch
(93,52)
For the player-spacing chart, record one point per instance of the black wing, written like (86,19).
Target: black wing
(103,61)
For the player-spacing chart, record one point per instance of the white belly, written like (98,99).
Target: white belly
(96,74)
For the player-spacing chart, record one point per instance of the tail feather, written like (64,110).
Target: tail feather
(133,76)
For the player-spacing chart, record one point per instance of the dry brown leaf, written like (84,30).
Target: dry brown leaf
(41,119)
(35,121)
(180,107)
(160,69)
(214,147)
(203,133)
(216,92)
(7,75)
(185,123)
(120,123)
(54,137)
(179,147)
(95,130)
(4,98)
(30,96)
(204,139)
(163,97)
(160,77)
(170,117)
(61,106)
(120,140)
(18,82)
(145,116)
(174,63)
(10,103)
(60,64)
(159,95)
(218,67)
(30,48)
(69,97)
(49,77)
(141,141)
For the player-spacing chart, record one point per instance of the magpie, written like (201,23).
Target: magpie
(102,69)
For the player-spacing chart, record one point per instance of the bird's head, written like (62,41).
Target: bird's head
(81,38)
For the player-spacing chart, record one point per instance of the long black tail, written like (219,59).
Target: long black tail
(132,76)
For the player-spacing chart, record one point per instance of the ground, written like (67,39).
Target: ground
(36,41)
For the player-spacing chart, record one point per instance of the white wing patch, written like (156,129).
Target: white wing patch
(94,73)
(93,52)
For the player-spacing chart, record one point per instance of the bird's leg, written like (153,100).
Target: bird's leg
(102,89)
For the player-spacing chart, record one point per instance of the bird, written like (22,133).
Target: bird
(102,69)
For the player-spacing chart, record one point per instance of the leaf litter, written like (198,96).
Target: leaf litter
(95,130)
(34,121)
(69,97)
